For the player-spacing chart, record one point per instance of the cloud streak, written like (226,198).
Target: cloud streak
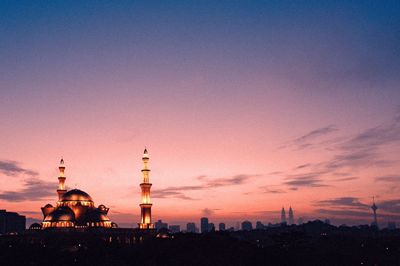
(178,192)
(34,189)
(12,168)
(388,178)
(348,202)
(311,179)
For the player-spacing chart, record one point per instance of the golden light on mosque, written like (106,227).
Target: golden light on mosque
(145,206)
(74,209)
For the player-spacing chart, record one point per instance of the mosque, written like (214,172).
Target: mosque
(76,209)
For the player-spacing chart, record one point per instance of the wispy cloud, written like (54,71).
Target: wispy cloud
(392,206)
(33,189)
(343,179)
(343,202)
(168,193)
(388,178)
(316,133)
(206,183)
(274,190)
(307,140)
(310,179)
(208,212)
(361,150)
(13,168)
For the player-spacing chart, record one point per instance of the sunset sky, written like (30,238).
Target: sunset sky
(245,107)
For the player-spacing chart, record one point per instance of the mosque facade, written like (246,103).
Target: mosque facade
(76,209)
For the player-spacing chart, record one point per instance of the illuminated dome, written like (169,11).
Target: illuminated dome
(74,209)
(76,195)
(60,214)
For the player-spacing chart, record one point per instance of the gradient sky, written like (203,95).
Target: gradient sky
(245,107)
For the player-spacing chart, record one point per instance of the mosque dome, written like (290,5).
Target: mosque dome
(76,195)
(35,226)
(60,214)
(74,209)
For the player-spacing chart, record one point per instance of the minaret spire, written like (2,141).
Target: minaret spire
(61,180)
(145,206)
(374,208)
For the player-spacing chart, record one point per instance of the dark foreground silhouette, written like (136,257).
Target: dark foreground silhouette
(314,243)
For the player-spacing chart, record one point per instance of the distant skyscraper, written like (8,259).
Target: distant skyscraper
(247,226)
(221,227)
(191,227)
(300,221)
(204,224)
(259,225)
(291,216)
(174,228)
(391,225)
(283,216)
(159,225)
(374,208)
(211,227)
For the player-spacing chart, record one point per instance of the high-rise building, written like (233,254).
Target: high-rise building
(191,227)
(247,226)
(221,227)
(211,227)
(374,208)
(159,225)
(291,216)
(283,216)
(174,229)
(145,206)
(391,225)
(259,225)
(11,222)
(204,224)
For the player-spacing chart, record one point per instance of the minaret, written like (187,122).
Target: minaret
(291,216)
(61,180)
(145,206)
(283,216)
(374,208)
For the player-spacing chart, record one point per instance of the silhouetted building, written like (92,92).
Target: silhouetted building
(35,226)
(247,226)
(191,227)
(259,225)
(283,216)
(300,221)
(374,208)
(391,225)
(174,228)
(11,222)
(327,221)
(160,225)
(211,227)
(291,216)
(221,227)
(204,224)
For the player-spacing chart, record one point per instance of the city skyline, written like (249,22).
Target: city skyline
(244,108)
